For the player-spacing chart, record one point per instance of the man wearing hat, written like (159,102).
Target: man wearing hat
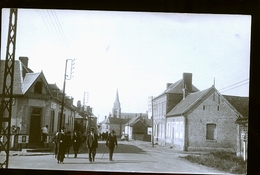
(111,143)
(61,145)
(92,144)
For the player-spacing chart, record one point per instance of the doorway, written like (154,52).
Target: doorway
(35,126)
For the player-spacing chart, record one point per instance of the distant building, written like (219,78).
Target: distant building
(116,121)
(138,128)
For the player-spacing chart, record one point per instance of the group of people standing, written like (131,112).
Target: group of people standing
(63,141)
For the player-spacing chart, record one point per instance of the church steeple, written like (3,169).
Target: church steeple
(117,97)
(116,111)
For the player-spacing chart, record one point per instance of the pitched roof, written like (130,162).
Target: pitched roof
(132,120)
(54,87)
(113,120)
(240,103)
(177,87)
(17,82)
(193,98)
(187,103)
(29,79)
(145,121)
(131,115)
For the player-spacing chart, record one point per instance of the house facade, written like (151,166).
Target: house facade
(35,105)
(138,128)
(203,121)
(165,102)
(242,105)
(189,119)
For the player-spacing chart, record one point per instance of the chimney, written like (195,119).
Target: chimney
(187,81)
(24,60)
(78,104)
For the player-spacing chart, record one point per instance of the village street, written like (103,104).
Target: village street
(130,156)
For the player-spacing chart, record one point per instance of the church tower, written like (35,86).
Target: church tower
(116,111)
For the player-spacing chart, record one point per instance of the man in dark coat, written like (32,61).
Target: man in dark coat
(92,144)
(76,143)
(61,146)
(111,143)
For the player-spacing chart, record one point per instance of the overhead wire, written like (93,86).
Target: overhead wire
(235,87)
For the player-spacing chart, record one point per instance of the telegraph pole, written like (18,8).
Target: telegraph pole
(7,91)
(66,77)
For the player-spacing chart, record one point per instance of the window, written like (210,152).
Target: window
(52,121)
(211,132)
(168,134)
(38,87)
(204,107)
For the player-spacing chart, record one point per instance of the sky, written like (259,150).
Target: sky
(136,53)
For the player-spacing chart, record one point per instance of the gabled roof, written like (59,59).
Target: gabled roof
(192,99)
(29,79)
(188,102)
(133,120)
(177,88)
(240,103)
(145,121)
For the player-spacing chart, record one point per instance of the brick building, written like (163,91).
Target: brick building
(190,119)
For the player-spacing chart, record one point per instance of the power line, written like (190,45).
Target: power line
(233,84)
(235,87)
(61,30)
(52,22)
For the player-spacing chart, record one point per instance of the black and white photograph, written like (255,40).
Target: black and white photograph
(124,91)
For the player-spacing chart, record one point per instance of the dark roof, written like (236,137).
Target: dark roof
(17,83)
(187,103)
(240,103)
(113,120)
(177,87)
(54,87)
(145,121)
(131,115)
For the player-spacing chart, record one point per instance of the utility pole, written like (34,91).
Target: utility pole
(7,91)
(66,77)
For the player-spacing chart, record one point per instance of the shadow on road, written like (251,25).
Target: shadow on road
(106,161)
(122,148)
